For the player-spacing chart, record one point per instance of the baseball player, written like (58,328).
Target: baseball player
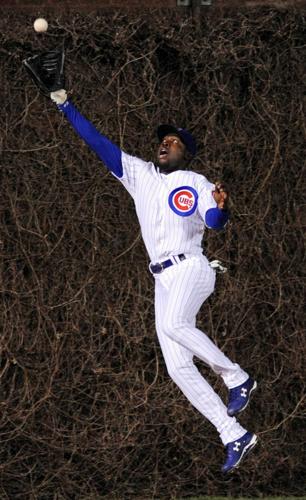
(174,206)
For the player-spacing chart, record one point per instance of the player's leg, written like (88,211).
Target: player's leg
(180,366)
(189,284)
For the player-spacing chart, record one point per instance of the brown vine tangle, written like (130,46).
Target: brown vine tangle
(87,409)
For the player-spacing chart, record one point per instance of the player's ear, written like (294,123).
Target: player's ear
(188,157)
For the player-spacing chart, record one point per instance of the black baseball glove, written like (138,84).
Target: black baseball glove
(47,70)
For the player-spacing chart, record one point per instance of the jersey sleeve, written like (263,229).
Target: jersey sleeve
(132,167)
(213,217)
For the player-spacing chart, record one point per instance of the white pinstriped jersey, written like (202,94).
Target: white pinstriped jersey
(170,207)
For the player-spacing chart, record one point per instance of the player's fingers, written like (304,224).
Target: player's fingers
(222,194)
(221,187)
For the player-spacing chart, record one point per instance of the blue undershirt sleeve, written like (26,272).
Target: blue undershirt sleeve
(106,151)
(215,218)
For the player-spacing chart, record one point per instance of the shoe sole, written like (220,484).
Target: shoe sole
(244,407)
(245,452)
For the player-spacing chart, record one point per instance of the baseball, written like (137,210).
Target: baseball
(40,25)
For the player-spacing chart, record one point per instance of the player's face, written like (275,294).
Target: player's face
(171,154)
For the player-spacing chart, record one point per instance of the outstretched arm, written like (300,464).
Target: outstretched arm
(109,153)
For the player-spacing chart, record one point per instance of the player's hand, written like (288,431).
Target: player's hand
(59,96)
(221,195)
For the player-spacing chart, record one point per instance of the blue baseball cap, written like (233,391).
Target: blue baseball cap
(183,134)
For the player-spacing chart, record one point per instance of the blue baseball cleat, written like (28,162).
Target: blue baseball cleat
(239,397)
(237,450)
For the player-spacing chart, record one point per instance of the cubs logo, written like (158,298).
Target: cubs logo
(183,200)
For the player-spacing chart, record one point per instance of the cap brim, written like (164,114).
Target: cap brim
(164,130)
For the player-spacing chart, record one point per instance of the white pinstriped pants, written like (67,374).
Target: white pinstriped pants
(180,290)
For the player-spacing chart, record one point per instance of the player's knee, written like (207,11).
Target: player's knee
(174,329)
(174,374)
(179,373)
